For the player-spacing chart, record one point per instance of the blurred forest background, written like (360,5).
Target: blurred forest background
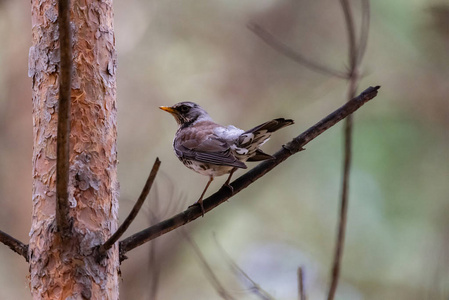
(397,243)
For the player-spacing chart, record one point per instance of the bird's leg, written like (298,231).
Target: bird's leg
(200,201)
(226,184)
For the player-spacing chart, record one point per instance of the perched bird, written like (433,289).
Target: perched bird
(214,150)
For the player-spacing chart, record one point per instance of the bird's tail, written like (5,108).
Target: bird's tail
(250,141)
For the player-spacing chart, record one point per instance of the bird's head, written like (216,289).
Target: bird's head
(186,113)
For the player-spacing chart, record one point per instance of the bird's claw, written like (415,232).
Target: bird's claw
(200,204)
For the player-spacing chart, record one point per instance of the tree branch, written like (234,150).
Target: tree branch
(277,45)
(246,179)
(133,213)
(62,162)
(15,245)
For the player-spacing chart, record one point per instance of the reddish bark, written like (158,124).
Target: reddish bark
(69,270)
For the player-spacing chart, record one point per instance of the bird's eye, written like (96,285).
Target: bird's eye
(184,108)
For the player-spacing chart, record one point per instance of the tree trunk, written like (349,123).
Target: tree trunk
(69,270)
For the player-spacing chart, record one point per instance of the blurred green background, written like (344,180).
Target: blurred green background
(397,243)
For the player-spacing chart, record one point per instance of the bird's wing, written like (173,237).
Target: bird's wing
(205,146)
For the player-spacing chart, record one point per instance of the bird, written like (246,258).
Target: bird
(213,150)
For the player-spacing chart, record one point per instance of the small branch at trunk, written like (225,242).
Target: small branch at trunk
(277,45)
(133,213)
(65,79)
(15,245)
(246,179)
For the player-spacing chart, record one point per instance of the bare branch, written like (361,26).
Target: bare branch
(15,245)
(301,291)
(277,45)
(254,287)
(65,82)
(133,213)
(246,179)
(210,275)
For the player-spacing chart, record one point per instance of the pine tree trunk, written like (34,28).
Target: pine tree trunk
(69,270)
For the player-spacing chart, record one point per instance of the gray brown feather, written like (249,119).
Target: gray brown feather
(204,146)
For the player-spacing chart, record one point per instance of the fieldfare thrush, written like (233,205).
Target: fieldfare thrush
(214,150)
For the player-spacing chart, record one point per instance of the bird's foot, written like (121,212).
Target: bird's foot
(200,204)
(229,187)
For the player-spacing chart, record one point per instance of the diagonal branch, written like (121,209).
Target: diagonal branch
(133,213)
(62,162)
(15,245)
(246,179)
(277,45)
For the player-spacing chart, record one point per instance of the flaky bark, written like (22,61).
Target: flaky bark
(69,270)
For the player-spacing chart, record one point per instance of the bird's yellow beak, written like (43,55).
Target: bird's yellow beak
(168,109)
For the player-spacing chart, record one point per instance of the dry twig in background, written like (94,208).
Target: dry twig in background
(252,286)
(285,50)
(301,291)
(210,275)
(355,54)
(154,270)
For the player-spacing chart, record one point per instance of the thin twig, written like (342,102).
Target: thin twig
(210,275)
(277,45)
(153,263)
(301,291)
(155,271)
(254,286)
(245,180)
(15,245)
(364,32)
(65,83)
(343,209)
(133,213)
(350,28)
(348,125)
